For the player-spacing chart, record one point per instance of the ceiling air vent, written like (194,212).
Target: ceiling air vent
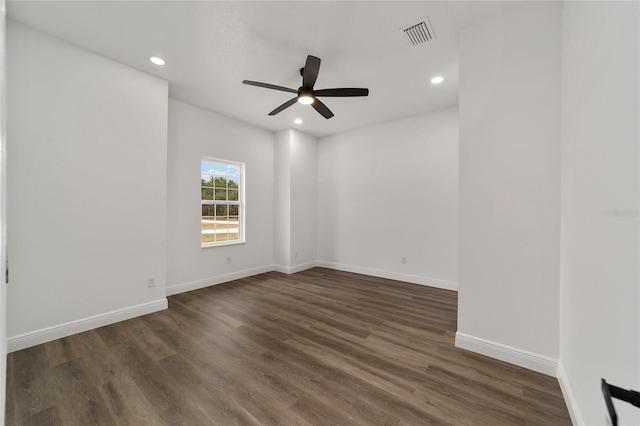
(419,33)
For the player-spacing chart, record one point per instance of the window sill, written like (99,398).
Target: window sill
(221,244)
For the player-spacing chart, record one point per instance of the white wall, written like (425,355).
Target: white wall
(295,157)
(87,160)
(510,186)
(304,196)
(390,191)
(600,287)
(3,212)
(194,133)
(282,199)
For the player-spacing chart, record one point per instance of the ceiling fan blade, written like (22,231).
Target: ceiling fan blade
(269,86)
(343,92)
(322,109)
(284,106)
(310,73)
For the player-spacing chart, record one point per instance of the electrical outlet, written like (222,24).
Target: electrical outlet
(295,255)
(404,260)
(151,282)
(228,259)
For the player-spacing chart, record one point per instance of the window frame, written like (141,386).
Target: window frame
(240,202)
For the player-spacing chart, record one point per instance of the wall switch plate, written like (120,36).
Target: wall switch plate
(151,282)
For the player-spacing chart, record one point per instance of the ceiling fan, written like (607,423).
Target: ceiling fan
(306,94)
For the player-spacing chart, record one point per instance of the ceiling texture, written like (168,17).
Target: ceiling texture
(210,47)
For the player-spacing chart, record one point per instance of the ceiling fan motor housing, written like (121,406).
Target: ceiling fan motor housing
(306,98)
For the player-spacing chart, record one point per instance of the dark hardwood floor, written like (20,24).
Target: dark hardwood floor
(316,348)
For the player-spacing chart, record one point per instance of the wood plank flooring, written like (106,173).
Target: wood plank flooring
(319,347)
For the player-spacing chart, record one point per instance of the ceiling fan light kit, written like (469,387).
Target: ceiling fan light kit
(305,99)
(305,93)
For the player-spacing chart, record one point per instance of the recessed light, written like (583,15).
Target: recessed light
(437,80)
(157,60)
(305,99)
(297,121)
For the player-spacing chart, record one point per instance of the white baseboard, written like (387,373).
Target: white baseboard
(294,269)
(281,268)
(414,279)
(48,334)
(218,279)
(569,397)
(519,357)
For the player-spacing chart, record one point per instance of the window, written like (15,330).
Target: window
(222,195)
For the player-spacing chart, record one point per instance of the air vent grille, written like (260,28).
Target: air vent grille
(419,33)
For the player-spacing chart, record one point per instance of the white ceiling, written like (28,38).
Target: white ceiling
(210,47)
